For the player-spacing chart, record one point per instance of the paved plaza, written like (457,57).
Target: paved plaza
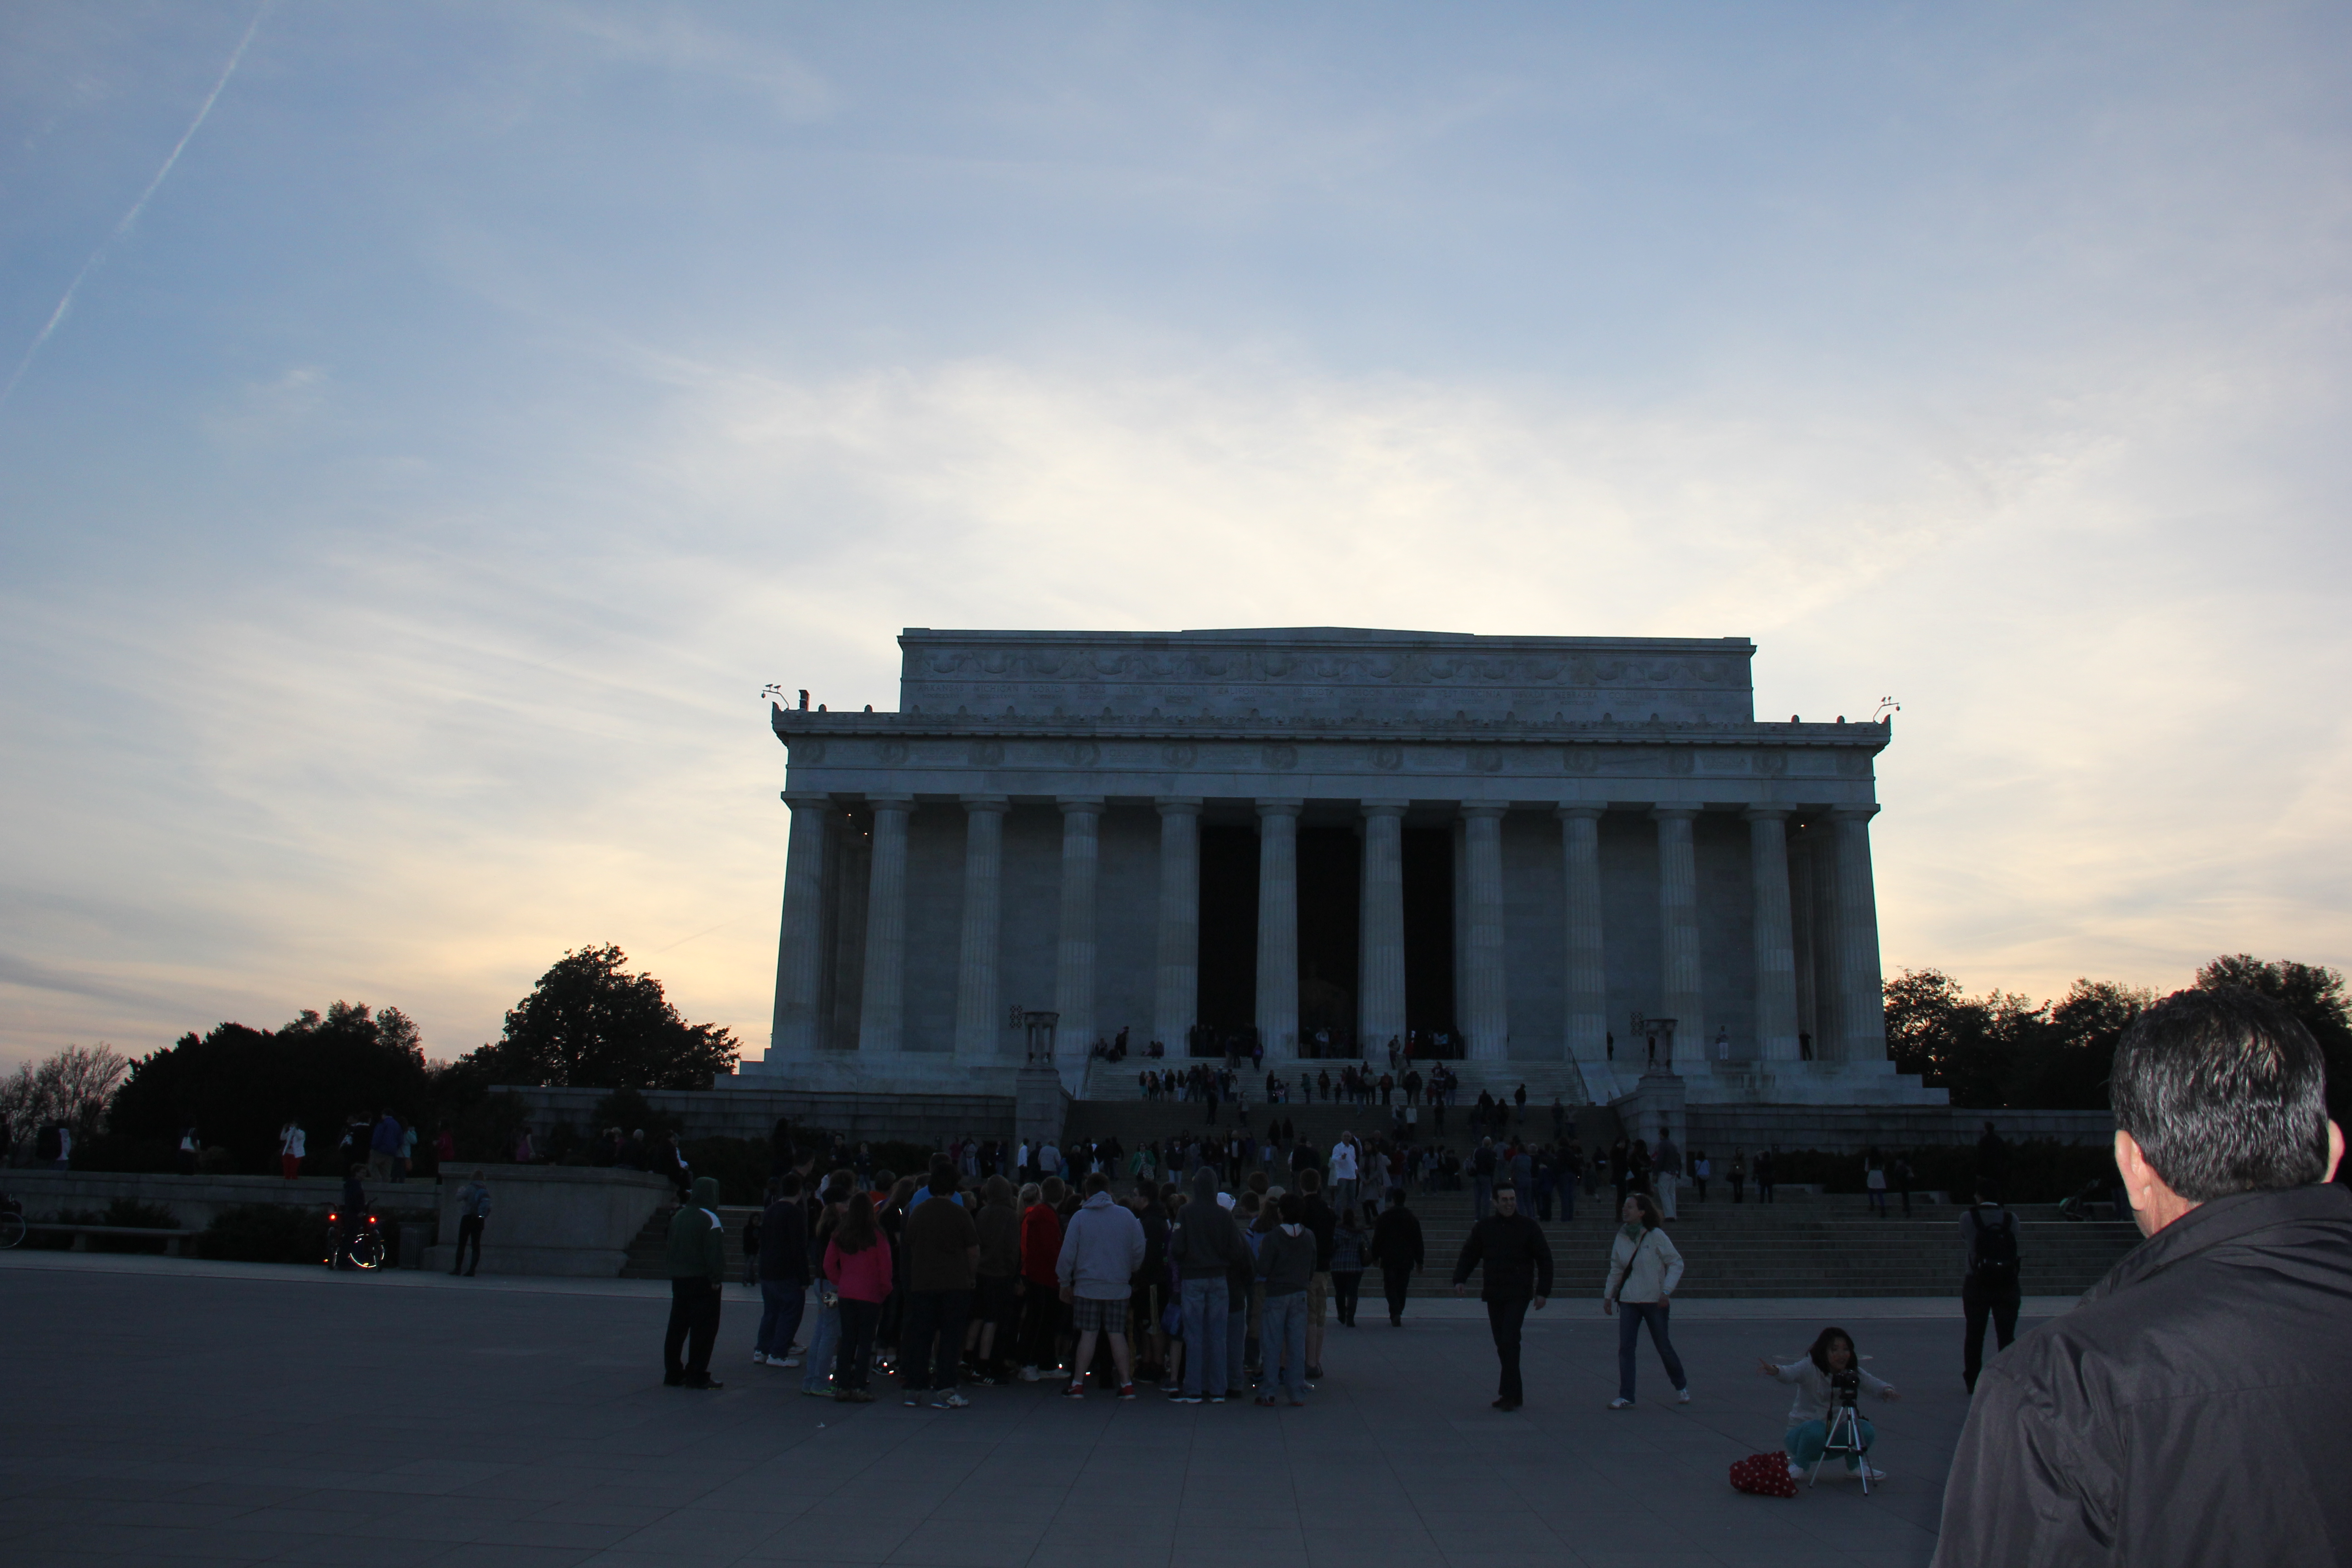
(163,1410)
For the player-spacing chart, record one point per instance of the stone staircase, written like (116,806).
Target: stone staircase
(1134,1121)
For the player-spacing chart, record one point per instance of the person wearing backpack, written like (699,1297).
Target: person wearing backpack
(1989,1286)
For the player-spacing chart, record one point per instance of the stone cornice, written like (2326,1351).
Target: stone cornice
(792,724)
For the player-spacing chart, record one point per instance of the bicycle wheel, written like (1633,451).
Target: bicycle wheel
(12,1229)
(367,1251)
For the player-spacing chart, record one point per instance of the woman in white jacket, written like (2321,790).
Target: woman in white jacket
(1809,1415)
(1644,1269)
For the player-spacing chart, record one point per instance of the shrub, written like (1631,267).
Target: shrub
(133,1215)
(2037,1171)
(265,1232)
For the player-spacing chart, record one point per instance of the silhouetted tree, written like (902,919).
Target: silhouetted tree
(590,1023)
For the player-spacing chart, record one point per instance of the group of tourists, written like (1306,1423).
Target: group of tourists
(377,1142)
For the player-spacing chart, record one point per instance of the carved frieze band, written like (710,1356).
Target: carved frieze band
(1407,667)
(1142,756)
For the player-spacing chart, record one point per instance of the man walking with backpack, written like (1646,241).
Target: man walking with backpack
(1989,1286)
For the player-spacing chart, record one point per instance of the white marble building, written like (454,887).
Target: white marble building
(1523,842)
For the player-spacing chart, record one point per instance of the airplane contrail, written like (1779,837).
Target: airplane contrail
(65,303)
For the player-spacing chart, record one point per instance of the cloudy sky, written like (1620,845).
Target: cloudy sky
(398,522)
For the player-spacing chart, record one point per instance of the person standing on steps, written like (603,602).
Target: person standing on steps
(1482,1179)
(697,1267)
(1666,1174)
(1644,1269)
(1397,1253)
(1518,1263)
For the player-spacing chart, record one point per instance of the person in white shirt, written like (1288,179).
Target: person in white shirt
(1644,1269)
(1809,1416)
(291,1146)
(1343,1172)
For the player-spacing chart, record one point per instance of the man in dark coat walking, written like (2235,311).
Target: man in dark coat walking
(1397,1252)
(2190,1409)
(1518,1269)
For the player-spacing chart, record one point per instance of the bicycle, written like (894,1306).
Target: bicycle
(358,1240)
(12,1221)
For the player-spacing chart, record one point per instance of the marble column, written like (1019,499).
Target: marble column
(1585,977)
(1486,1021)
(1829,996)
(1277,926)
(1862,999)
(1380,983)
(1681,996)
(1176,1000)
(979,1021)
(1073,956)
(800,952)
(1776,956)
(882,1010)
(1801,932)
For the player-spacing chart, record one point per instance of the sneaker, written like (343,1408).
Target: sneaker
(1028,1374)
(913,1398)
(1219,1398)
(708,1384)
(787,1360)
(1314,1375)
(1796,1471)
(1172,1387)
(1621,1405)
(1874,1472)
(1076,1390)
(818,1393)
(1682,1396)
(1127,1390)
(950,1402)
(1184,1399)
(1265,1401)
(758,1358)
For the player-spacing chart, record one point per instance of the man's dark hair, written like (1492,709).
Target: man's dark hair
(1502,1187)
(943,1174)
(2225,1091)
(788,1185)
(1293,1208)
(1310,1181)
(1098,1182)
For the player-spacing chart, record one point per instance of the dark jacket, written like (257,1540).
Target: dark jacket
(1396,1241)
(784,1242)
(1285,1259)
(1517,1255)
(1207,1242)
(941,1241)
(698,1242)
(1323,1222)
(2191,1410)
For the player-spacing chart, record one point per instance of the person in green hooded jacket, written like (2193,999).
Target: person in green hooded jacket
(698,1266)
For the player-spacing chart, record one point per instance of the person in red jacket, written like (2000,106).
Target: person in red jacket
(1041,1287)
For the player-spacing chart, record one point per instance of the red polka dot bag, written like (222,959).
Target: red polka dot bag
(1764,1475)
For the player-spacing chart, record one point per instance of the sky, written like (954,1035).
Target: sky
(421,479)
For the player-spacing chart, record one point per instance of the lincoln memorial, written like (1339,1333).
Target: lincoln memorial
(1524,852)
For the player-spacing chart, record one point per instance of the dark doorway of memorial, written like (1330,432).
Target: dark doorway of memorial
(1228,954)
(1330,898)
(1428,856)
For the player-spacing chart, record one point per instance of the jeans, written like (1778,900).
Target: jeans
(1343,1194)
(1394,1281)
(1568,1201)
(1204,1334)
(1345,1286)
(469,1229)
(1504,1321)
(1237,1345)
(822,1340)
(1284,1331)
(782,1302)
(855,1363)
(934,1319)
(693,1327)
(1631,1316)
(1482,1197)
(1805,1443)
(1978,1303)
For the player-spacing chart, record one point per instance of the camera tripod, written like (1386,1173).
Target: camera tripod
(1844,1437)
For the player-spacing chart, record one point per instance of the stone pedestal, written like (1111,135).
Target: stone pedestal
(1656,1108)
(1040,1105)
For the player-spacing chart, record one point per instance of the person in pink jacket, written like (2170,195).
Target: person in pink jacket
(857,1263)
